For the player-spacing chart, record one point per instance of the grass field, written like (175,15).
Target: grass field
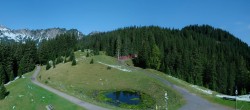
(212,98)
(85,80)
(24,95)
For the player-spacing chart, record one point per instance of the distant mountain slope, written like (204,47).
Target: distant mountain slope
(38,35)
(199,54)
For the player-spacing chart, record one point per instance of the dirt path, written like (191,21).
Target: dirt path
(72,99)
(193,102)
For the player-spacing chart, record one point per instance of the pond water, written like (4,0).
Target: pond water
(127,97)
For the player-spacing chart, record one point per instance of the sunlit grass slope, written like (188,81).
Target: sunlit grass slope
(85,80)
(24,95)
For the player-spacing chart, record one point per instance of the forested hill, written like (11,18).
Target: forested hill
(18,58)
(199,54)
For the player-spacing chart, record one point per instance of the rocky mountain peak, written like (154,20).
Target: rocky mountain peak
(37,35)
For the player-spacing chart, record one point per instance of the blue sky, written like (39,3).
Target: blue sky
(106,15)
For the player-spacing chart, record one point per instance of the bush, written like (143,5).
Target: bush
(73,62)
(59,60)
(96,52)
(108,68)
(46,82)
(87,54)
(48,66)
(92,61)
(72,56)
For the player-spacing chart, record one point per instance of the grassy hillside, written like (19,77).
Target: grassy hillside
(85,80)
(24,95)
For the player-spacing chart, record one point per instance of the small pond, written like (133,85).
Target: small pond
(121,97)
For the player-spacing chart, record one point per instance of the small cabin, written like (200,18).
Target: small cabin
(130,56)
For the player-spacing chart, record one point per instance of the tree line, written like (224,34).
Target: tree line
(17,58)
(199,54)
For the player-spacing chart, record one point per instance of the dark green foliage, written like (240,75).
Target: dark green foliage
(3,76)
(59,60)
(22,65)
(16,59)
(92,61)
(96,52)
(54,64)
(61,45)
(108,68)
(73,62)
(72,56)
(201,55)
(3,91)
(65,60)
(48,66)
(87,54)
(155,58)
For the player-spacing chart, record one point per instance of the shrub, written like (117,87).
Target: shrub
(72,56)
(73,62)
(59,60)
(108,68)
(48,66)
(87,54)
(92,61)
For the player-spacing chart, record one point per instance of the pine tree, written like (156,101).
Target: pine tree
(3,91)
(2,74)
(197,68)
(155,57)
(22,66)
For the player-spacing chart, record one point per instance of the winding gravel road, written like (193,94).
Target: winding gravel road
(72,99)
(193,102)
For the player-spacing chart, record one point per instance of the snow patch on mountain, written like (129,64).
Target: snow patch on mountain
(2,28)
(38,35)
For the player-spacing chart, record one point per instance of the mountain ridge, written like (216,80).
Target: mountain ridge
(21,35)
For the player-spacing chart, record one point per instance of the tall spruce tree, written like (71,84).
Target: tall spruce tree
(155,57)
(3,91)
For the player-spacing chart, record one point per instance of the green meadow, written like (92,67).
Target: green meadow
(24,95)
(86,81)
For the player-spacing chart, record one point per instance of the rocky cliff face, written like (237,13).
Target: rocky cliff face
(38,35)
